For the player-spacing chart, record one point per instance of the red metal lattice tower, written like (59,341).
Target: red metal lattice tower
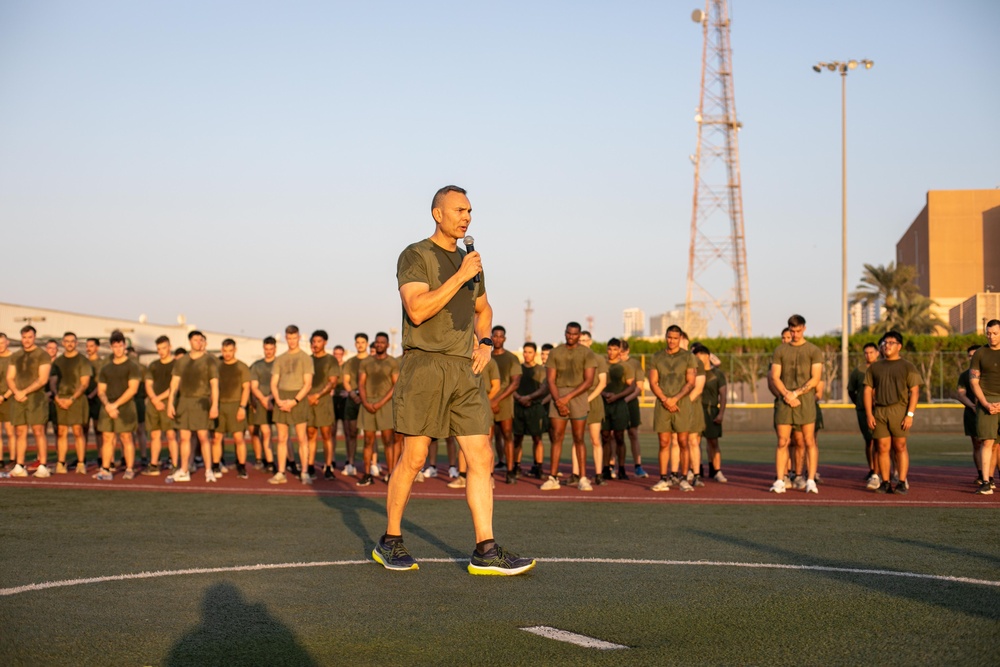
(718,241)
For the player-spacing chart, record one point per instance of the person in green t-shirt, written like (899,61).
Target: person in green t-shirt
(634,414)
(503,404)
(673,372)
(234,403)
(796,369)
(713,405)
(595,413)
(291,380)
(621,378)
(377,377)
(528,409)
(326,370)
(157,381)
(262,406)
(970,426)
(92,348)
(27,377)
(194,403)
(74,378)
(856,392)
(6,428)
(984,377)
(352,405)
(440,392)
(117,385)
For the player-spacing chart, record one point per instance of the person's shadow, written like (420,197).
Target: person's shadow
(234,632)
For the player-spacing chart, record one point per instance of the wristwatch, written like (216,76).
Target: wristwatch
(486,341)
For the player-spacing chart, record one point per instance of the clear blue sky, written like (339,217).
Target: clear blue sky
(252,164)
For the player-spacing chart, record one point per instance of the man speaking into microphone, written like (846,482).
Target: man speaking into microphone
(440,392)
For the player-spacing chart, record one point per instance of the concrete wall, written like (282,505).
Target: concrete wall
(932,418)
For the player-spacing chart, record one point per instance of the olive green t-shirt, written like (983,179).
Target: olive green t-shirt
(196,375)
(855,387)
(71,369)
(490,373)
(231,379)
(324,368)
(987,363)
(451,330)
(891,381)
(96,365)
(570,364)
(640,374)
(508,365)
(349,371)
(260,371)
(378,376)
(715,384)
(602,367)
(672,369)
(117,377)
(620,375)
(160,374)
(292,367)
(4,365)
(27,365)
(796,363)
(532,379)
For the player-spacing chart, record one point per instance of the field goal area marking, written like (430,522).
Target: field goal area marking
(15,590)
(572,638)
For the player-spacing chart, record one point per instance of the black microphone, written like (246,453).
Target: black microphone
(469,241)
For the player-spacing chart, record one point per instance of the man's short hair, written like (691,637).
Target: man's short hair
(361,335)
(624,346)
(69,333)
(53,341)
(95,341)
(531,345)
(163,339)
(991,323)
(382,334)
(499,327)
(586,333)
(785,330)
(116,337)
(26,328)
(673,328)
(972,348)
(547,346)
(322,334)
(291,329)
(338,347)
(698,348)
(870,345)
(229,342)
(2,335)
(180,352)
(440,194)
(574,325)
(614,341)
(895,335)
(195,332)
(270,340)
(796,321)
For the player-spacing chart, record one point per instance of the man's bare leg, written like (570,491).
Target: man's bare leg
(597,444)
(781,454)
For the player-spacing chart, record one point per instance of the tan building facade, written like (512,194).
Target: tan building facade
(971,315)
(954,243)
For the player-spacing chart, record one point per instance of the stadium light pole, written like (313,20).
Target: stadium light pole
(843,68)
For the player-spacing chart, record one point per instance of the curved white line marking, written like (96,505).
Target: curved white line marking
(609,561)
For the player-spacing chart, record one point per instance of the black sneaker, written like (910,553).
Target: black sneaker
(622,475)
(884,487)
(600,480)
(367,480)
(902,487)
(328,473)
(293,468)
(241,470)
(536,471)
(572,481)
(606,474)
(985,489)
(496,561)
(394,556)
(518,474)
(510,477)
(271,467)
(500,465)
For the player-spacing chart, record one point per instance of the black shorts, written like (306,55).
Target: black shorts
(634,415)
(530,420)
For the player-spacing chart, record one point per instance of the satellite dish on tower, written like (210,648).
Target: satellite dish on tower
(698,16)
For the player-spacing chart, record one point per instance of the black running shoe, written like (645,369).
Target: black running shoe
(293,468)
(902,487)
(517,471)
(606,474)
(394,556)
(884,487)
(985,489)
(622,475)
(241,470)
(536,471)
(510,477)
(328,473)
(496,561)
(600,480)
(572,481)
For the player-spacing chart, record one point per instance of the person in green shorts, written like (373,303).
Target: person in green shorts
(634,413)
(528,409)
(856,392)
(713,404)
(984,376)
(352,406)
(291,379)
(503,404)
(440,392)
(892,389)
(377,377)
(6,428)
(970,426)
(672,374)
(194,403)
(262,406)
(621,378)
(92,348)
(339,398)
(157,380)
(27,378)
(117,385)
(74,377)
(595,412)
(326,370)
(796,369)
(234,401)
(52,349)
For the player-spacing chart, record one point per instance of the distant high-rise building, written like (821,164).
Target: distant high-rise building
(860,316)
(697,324)
(634,322)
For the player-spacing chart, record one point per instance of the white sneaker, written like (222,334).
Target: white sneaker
(778,486)
(430,471)
(662,485)
(419,477)
(811,487)
(453,472)
(209,475)
(719,477)
(222,468)
(349,470)
(551,484)
(179,476)
(19,471)
(685,485)
(305,478)
(42,471)
(457,483)
(278,478)
(874,482)
(584,484)
(374,471)
(799,484)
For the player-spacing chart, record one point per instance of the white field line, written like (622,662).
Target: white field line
(571,637)
(608,561)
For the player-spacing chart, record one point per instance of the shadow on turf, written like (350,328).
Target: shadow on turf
(946,548)
(353,512)
(234,632)
(968,599)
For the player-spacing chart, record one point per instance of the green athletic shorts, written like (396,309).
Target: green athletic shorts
(805,413)
(380,421)
(987,425)
(579,408)
(321,414)
(33,412)
(681,421)
(595,411)
(712,430)
(157,420)
(697,417)
(298,415)
(78,413)
(228,422)
(438,395)
(258,415)
(506,410)
(889,420)
(5,410)
(634,414)
(127,420)
(192,414)
(616,417)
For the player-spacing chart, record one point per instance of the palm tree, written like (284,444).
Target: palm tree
(906,310)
